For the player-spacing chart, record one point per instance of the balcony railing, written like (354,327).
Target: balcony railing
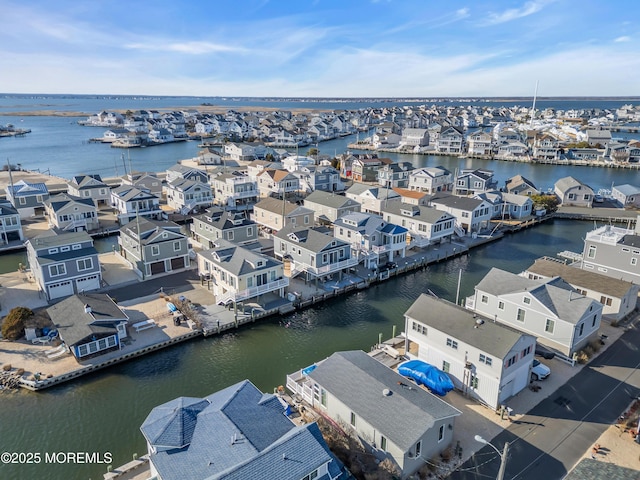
(252,292)
(331,268)
(470,302)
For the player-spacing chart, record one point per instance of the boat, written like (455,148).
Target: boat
(422,373)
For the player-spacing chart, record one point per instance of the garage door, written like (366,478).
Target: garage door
(61,289)
(177,263)
(157,267)
(92,282)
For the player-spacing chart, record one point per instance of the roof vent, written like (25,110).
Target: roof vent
(87,308)
(386,392)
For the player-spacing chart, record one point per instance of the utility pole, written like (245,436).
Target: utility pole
(503,461)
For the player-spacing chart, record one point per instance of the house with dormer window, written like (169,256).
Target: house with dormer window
(471,182)
(450,140)
(179,171)
(186,196)
(372,198)
(573,192)
(90,324)
(64,263)
(90,186)
(472,214)
(425,225)
(480,143)
(364,168)
(144,181)
(67,212)
(373,241)
(129,202)
(327,206)
(237,274)
(316,254)
(550,309)
(488,361)
(153,247)
(277,182)
(27,198)
(272,214)
(519,185)
(235,190)
(216,224)
(394,175)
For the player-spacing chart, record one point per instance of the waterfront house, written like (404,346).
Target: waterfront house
(519,185)
(546,147)
(414,137)
(394,175)
(64,263)
(144,181)
(512,149)
(235,433)
(244,151)
(272,214)
(328,207)
(364,168)
(471,182)
(153,247)
(321,177)
(412,197)
(598,137)
(373,241)
(394,420)
(67,212)
(480,143)
(485,360)
(89,186)
(277,183)
(256,167)
(450,140)
(626,195)
(472,214)
(426,225)
(372,198)
(431,180)
(27,198)
(572,192)
(319,255)
(9,223)
(237,274)
(507,205)
(552,310)
(618,297)
(129,202)
(179,171)
(185,195)
(216,223)
(296,162)
(90,324)
(614,252)
(116,134)
(235,190)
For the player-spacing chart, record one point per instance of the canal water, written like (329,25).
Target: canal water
(102,413)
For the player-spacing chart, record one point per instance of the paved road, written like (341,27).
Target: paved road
(553,436)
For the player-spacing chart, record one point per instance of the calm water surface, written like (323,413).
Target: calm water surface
(103,413)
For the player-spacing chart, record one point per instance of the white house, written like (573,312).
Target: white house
(488,361)
(573,192)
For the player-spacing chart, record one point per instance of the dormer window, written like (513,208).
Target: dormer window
(52,251)
(526,300)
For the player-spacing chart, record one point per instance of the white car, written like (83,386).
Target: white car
(539,371)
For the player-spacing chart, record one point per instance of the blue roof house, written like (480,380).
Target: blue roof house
(236,433)
(28,198)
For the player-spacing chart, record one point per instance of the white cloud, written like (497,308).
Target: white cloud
(624,38)
(191,48)
(527,9)
(462,12)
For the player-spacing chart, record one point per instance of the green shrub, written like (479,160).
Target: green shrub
(13,324)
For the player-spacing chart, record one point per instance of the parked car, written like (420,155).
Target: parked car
(598,198)
(544,353)
(539,371)
(389,266)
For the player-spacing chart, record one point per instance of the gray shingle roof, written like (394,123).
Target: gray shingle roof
(237,260)
(422,213)
(236,433)
(52,239)
(453,201)
(490,337)
(581,278)
(330,200)
(358,380)
(63,199)
(589,469)
(310,238)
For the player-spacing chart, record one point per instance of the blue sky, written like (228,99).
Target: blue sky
(342,48)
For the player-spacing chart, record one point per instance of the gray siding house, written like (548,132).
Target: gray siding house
(130,201)
(426,225)
(186,195)
(215,224)
(67,212)
(328,207)
(153,247)
(408,426)
(614,252)
(179,171)
(268,214)
(28,198)
(10,224)
(64,263)
(552,310)
(236,190)
(572,192)
(90,186)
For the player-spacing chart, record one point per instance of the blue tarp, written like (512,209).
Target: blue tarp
(309,369)
(171,307)
(435,380)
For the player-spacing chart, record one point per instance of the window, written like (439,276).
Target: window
(84,264)
(57,270)
(549,326)
(52,251)
(525,352)
(441,433)
(22,200)
(155,250)
(526,301)
(353,419)
(66,248)
(249,231)
(474,381)
(512,360)
(484,299)
(452,343)
(591,253)
(593,323)
(581,329)
(311,476)
(634,261)
(323,397)
(520,315)
(418,327)
(605,300)
(176,246)
(446,366)
(383,443)
(500,305)
(485,359)
(418,449)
